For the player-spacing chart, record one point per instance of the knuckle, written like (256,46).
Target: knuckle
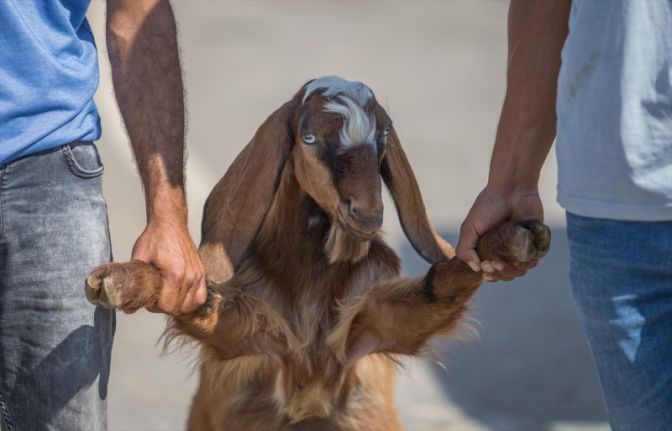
(180,276)
(189,278)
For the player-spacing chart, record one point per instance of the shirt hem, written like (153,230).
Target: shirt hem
(615,211)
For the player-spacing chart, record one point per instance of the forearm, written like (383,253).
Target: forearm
(143,52)
(537,31)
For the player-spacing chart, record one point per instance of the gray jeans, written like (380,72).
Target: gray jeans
(55,347)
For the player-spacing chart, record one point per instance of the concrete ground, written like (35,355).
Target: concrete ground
(439,69)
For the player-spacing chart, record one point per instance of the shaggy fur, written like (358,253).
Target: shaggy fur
(307,312)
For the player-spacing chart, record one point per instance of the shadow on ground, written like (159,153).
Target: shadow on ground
(530,369)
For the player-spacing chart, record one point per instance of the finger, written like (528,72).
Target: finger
(466,246)
(473,260)
(498,265)
(168,299)
(201,291)
(194,296)
(488,267)
(196,292)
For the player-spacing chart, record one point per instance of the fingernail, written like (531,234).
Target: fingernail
(487,267)
(499,266)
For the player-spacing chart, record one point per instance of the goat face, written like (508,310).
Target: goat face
(339,145)
(339,142)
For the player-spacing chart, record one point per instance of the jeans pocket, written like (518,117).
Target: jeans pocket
(83,159)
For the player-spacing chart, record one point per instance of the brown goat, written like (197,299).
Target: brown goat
(306,310)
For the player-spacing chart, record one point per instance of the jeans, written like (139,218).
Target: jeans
(621,276)
(55,347)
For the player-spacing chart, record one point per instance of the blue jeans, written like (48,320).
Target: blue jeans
(55,347)
(621,275)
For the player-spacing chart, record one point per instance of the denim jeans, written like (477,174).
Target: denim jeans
(621,275)
(55,347)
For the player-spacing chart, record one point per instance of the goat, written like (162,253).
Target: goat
(307,313)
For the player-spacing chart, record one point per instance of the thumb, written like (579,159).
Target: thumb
(466,245)
(142,255)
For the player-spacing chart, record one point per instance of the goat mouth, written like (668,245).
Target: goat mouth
(357,230)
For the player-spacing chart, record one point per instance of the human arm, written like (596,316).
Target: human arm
(143,52)
(537,30)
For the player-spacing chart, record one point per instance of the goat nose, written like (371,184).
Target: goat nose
(362,214)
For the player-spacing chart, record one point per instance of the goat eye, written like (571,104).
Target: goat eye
(386,131)
(309,139)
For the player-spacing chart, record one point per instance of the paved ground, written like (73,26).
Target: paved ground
(439,69)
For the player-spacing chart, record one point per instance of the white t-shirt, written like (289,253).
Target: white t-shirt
(614,105)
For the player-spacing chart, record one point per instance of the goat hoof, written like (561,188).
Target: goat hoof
(101,288)
(124,286)
(530,240)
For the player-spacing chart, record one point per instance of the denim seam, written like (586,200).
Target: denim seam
(3,174)
(76,169)
(5,414)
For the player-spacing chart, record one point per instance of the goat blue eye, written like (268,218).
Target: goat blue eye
(309,139)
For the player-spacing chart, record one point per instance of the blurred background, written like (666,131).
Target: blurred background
(439,69)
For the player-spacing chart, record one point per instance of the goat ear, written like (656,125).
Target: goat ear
(400,180)
(238,204)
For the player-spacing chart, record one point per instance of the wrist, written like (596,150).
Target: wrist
(512,184)
(167,207)
(509,187)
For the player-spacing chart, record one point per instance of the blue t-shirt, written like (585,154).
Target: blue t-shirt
(48,76)
(615,111)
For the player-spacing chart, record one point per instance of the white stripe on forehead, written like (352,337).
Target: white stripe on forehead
(358,127)
(347,98)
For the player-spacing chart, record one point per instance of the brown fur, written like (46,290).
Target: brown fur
(307,311)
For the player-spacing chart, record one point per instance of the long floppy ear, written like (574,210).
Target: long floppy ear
(239,202)
(400,180)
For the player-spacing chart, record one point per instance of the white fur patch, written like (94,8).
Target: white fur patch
(347,98)
(335,85)
(358,128)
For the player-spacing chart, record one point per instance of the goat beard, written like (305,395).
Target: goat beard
(341,246)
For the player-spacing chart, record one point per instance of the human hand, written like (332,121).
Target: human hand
(169,247)
(491,208)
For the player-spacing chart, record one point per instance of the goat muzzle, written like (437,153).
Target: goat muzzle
(362,223)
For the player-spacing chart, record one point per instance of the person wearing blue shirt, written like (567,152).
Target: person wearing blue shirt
(54,346)
(599,75)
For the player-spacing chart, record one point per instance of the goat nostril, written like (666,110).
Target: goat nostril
(362,214)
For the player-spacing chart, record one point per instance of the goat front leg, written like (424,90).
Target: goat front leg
(124,286)
(231,322)
(400,315)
